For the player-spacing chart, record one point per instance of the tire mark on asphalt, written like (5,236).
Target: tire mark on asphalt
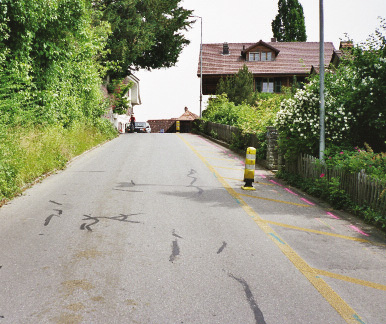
(120,218)
(48,219)
(259,317)
(56,203)
(224,244)
(175,251)
(176,235)
(190,175)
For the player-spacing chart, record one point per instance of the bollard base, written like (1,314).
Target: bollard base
(248,185)
(248,188)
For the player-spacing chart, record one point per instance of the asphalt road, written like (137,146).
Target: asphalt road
(154,228)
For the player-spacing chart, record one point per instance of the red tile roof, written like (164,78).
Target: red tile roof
(293,58)
(188,115)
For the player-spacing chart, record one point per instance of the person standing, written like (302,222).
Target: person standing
(132,122)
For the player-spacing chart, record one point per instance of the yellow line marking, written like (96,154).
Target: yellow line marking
(221,159)
(275,200)
(221,167)
(260,183)
(345,311)
(350,279)
(350,238)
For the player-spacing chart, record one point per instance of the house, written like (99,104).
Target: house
(121,121)
(169,125)
(345,47)
(273,64)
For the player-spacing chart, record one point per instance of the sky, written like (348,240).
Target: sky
(165,92)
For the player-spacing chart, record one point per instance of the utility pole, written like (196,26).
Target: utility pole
(322,111)
(200,66)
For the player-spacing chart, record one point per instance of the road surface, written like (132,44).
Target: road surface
(154,228)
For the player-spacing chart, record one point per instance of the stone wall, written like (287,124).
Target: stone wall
(168,125)
(272,151)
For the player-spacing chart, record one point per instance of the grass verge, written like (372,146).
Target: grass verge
(29,153)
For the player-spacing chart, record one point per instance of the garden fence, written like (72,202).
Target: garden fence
(361,188)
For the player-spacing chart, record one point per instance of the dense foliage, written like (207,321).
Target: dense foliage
(289,25)
(119,101)
(249,119)
(48,68)
(355,105)
(145,33)
(239,87)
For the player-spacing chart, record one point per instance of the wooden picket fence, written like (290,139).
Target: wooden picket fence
(359,186)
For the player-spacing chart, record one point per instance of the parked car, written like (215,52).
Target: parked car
(142,127)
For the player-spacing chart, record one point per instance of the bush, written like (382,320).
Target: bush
(358,159)
(354,104)
(249,119)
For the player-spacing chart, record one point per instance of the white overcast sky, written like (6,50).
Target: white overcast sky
(166,92)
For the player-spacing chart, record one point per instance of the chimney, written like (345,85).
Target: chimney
(273,40)
(186,109)
(225,49)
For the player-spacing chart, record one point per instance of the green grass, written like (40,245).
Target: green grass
(29,153)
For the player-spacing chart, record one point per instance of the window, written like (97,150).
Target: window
(254,56)
(260,56)
(268,85)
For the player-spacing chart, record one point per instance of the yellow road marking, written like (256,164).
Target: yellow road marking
(350,279)
(350,238)
(221,159)
(345,311)
(275,200)
(221,167)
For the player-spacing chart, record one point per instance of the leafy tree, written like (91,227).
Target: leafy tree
(289,25)
(238,87)
(48,68)
(145,33)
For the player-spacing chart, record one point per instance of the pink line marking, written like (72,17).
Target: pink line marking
(320,221)
(308,202)
(276,183)
(261,176)
(332,215)
(358,230)
(291,192)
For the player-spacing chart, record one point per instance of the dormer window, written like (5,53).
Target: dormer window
(260,52)
(260,56)
(254,56)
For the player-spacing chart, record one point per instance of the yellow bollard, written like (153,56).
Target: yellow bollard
(249,173)
(177,126)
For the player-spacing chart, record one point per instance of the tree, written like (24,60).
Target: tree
(289,25)
(145,33)
(238,87)
(48,67)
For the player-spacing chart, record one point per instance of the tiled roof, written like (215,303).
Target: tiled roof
(188,115)
(294,58)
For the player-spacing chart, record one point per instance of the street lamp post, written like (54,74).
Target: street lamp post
(200,67)
(322,111)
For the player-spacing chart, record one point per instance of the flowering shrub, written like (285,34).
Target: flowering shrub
(358,159)
(355,104)
(298,121)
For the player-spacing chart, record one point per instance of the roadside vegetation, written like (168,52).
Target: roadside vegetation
(54,57)
(355,93)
